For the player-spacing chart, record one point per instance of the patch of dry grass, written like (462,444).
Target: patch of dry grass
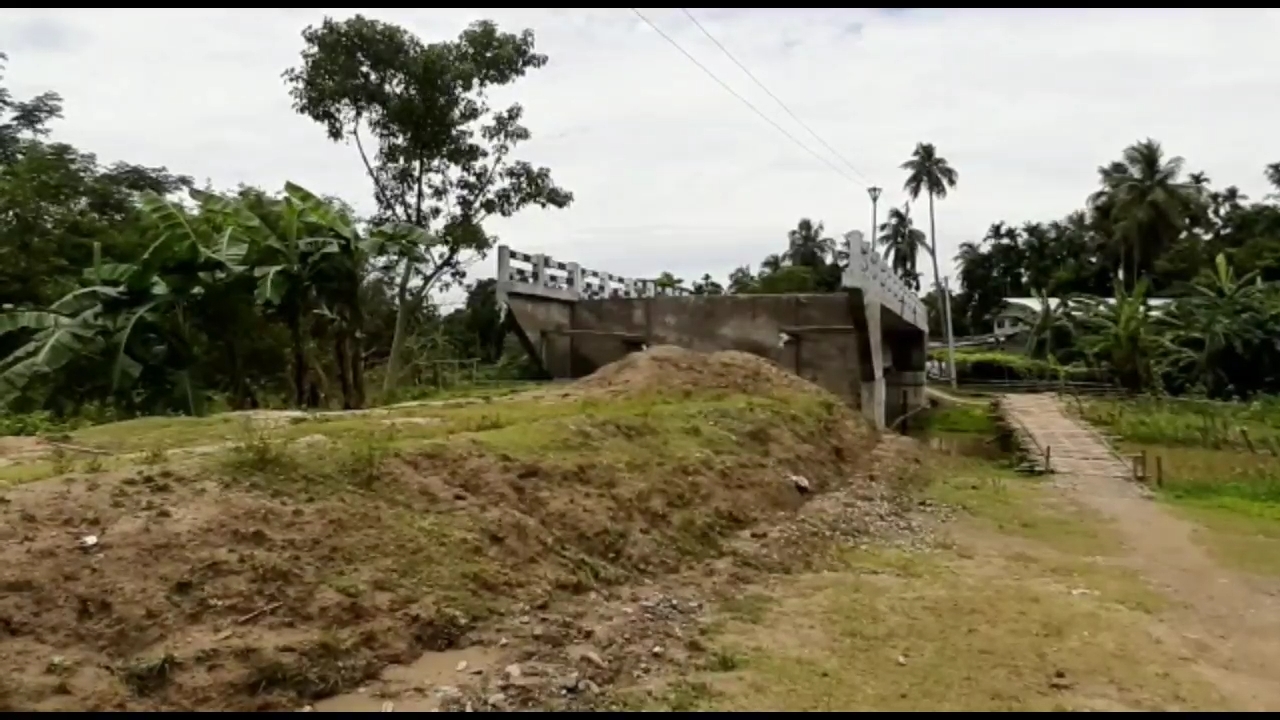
(945,633)
(1020,608)
(1005,502)
(1232,495)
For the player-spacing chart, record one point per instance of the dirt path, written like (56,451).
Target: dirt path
(1229,623)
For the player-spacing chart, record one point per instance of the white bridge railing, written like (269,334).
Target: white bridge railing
(537,274)
(871,274)
(533,274)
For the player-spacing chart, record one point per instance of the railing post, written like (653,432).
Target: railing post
(540,270)
(575,280)
(504,263)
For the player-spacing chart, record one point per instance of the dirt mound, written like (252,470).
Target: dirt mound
(278,575)
(672,369)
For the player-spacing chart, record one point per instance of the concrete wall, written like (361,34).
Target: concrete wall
(811,335)
(866,344)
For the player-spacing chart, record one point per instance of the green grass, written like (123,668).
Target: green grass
(1189,423)
(1013,504)
(1217,466)
(1234,495)
(957,418)
(1020,610)
(686,472)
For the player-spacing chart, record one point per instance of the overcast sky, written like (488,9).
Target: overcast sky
(671,172)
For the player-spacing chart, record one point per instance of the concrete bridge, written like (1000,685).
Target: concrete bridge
(865,344)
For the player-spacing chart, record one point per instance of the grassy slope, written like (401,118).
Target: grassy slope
(352,542)
(1018,609)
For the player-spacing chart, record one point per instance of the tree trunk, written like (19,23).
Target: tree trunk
(299,360)
(342,356)
(943,298)
(398,338)
(356,348)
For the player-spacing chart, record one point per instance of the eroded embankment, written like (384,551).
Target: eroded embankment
(286,572)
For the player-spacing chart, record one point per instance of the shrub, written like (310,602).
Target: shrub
(994,365)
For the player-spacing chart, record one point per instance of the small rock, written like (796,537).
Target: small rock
(657,651)
(388,706)
(592,657)
(497,701)
(462,666)
(1059,681)
(801,483)
(513,671)
(502,642)
(902,660)
(569,682)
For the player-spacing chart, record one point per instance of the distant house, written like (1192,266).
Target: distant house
(1019,315)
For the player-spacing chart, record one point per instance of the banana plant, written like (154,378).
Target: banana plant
(135,314)
(1124,335)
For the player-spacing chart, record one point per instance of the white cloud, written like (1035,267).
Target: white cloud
(670,171)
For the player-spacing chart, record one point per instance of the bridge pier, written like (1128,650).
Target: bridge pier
(865,345)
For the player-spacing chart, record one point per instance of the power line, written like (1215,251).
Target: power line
(769,92)
(741,99)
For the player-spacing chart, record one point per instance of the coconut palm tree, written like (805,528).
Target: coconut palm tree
(930,173)
(807,246)
(772,264)
(1148,204)
(901,241)
(1272,173)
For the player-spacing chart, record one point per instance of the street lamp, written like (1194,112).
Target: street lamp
(874,192)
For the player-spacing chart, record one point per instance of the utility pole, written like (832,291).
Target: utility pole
(874,192)
(951,337)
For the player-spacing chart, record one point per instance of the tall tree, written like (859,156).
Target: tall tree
(668,282)
(930,173)
(901,241)
(1148,204)
(1272,173)
(707,286)
(438,154)
(808,245)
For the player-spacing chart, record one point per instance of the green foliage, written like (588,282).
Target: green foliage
(958,418)
(988,366)
(901,243)
(1190,423)
(812,263)
(440,157)
(118,293)
(1148,231)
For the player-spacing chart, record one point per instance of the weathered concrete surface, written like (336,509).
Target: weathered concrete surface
(866,344)
(812,335)
(896,324)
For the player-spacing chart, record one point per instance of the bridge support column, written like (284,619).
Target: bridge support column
(873,385)
(906,381)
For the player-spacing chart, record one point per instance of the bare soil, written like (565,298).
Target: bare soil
(546,567)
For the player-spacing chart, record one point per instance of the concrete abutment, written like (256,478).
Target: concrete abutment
(865,344)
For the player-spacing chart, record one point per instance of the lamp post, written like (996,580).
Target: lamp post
(874,192)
